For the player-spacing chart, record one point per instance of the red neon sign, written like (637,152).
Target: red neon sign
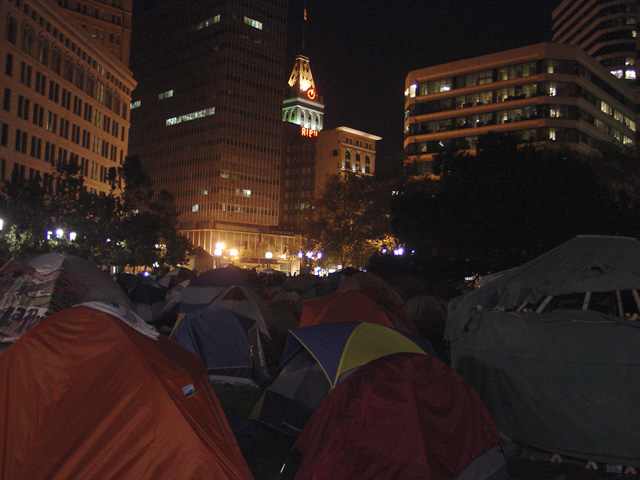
(307,132)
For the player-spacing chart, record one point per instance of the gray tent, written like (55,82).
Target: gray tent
(551,347)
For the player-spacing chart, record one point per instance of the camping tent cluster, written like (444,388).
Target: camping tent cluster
(369,380)
(121,374)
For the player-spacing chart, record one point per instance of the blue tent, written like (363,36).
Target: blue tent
(228,343)
(317,358)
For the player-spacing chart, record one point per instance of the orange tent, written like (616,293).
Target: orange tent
(355,306)
(85,395)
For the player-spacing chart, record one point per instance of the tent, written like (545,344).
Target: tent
(227,276)
(228,343)
(246,301)
(399,416)
(372,282)
(316,359)
(551,347)
(107,401)
(362,305)
(176,276)
(39,286)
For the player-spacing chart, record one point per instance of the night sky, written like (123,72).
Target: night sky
(361,50)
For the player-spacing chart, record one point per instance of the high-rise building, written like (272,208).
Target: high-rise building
(606,30)
(64,97)
(207,116)
(109,22)
(547,93)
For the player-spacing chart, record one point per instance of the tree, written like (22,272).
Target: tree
(507,205)
(350,221)
(109,228)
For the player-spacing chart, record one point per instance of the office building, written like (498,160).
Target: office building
(605,30)
(543,94)
(207,116)
(64,97)
(309,162)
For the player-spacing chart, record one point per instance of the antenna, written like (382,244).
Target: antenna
(304,23)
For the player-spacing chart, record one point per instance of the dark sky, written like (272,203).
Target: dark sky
(361,50)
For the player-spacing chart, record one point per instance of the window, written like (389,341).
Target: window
(8,67)
(4,136)
(253,23)
(6,104)
(12,30)
(167,94)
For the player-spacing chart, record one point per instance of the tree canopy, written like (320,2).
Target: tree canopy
(58,214)
(509,204)
(350,221)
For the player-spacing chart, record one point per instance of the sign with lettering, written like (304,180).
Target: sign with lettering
(307,132)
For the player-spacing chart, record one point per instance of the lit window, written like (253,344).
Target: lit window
(167,94)
(135,104)
(253,23)
(617,73)
(630,75)
(195,208)
(412,90)
(191,116)
(552,134)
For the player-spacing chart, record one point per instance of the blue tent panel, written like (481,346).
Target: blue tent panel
(218,336)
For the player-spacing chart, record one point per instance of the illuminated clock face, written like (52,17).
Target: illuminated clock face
(311,93)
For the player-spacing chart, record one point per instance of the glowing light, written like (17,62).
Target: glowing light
(72,236)
(233,252)
(59,233)
(268,255)
(220,245)
(308,132)
(217,252)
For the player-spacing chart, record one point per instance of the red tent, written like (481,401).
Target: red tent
(355,306)
(400,416)
(85,395)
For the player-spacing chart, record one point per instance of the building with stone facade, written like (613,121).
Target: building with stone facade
(64,97)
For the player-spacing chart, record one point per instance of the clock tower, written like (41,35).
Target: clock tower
(302,104)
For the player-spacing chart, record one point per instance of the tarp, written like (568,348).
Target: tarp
(583,264)
(83,395)
(228,343)
(36,287)
(564,380)
(28,296)
(400,416)
(317,358)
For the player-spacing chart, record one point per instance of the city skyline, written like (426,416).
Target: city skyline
(361,51)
